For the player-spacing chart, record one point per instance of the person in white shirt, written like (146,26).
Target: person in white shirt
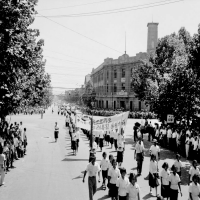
(122,184)
(178,165)
(104,168)
(92,168)
(194,189)
(169,136)
(153,173)
(174,184)
(187,145)
(193,170)
(195,148)
(113,175)
(155,150)
(164,177)
(2,166)
(56,131)
(133,189)
(139,155)
(74,144)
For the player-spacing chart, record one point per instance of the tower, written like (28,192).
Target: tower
(152,37)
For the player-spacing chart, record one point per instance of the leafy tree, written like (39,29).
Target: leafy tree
(23,80)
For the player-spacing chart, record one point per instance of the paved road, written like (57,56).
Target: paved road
(49,171)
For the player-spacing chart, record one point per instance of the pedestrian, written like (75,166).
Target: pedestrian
(120,155)
(164,177)
(133,189)
(93,169)
(101,138)
(187,145)
(115,139)
(178,165)
(112,138)
(155,150)
(77,138)
(153,174)
(194,189)
(74,142)
(113,175)
(193,170)
(139,155)
(104,168)
(135,128)
(56,131)
(174,184)
(122,185)
(2,166)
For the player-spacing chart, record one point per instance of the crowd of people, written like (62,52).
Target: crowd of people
(109,112)
(114,176)
(13,142)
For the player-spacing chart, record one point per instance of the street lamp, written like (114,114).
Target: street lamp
(91,129)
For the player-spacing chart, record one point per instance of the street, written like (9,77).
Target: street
(49,171)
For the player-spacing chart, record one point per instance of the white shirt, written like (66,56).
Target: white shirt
(133,191)
(174,180)
(169,133)
(188,132)
(165,176)
(94,145)
(193,171)
(115,135)
(153,167)
(174,134)
(112,134)
(139,148)
(187,141)
(122,185)
(164,131)
(2,159)
(155,150)
(104,164)
(195,144)
(101,134)
(178,165)
(93,169)
(194,190)
(114,174)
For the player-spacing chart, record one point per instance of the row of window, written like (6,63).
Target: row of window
(100,88)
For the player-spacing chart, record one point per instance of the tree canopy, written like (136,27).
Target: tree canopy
(170,80)
(23,80)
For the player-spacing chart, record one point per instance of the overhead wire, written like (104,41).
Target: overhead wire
(81,34)
(76,5)
(112,11)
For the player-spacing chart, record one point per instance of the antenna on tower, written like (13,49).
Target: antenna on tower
(125,42)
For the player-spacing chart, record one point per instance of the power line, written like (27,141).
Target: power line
(69,60)
(81,34)
(76,5)
(125,9)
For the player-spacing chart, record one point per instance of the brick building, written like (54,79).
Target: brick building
(112,79)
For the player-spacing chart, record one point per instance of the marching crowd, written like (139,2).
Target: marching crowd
(13,142)
(122,187)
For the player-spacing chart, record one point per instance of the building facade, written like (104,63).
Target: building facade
(112,79)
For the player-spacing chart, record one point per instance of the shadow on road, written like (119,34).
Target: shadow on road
(148,196)
(76,159)
(104,197)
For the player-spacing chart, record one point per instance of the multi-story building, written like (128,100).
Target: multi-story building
(112,79)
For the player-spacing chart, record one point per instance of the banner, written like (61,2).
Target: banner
(104,124)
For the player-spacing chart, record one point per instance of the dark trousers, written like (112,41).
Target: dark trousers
(173,194)
(92,185)
(122,198)
(139,158)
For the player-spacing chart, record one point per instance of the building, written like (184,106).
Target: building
(112,79)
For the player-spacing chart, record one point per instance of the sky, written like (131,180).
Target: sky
(75,43)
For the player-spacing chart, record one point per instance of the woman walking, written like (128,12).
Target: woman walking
(74,147)
(178,164)
(174,184)
(133,189)
(164,177)
(193,170)
(56,132)
(113,175)
(194,189)
(153,173)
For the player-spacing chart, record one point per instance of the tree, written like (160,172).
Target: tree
(169,81)
(23,80)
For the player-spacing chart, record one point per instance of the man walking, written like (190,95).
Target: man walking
(139,155)
(92,168)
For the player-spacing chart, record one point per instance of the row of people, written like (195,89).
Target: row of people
(13,142)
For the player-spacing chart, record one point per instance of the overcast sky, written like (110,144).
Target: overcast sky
(74,44)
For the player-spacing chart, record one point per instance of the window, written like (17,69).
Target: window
(123,73)
(123,86)
(115,87)
(115,73)
(107,88)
